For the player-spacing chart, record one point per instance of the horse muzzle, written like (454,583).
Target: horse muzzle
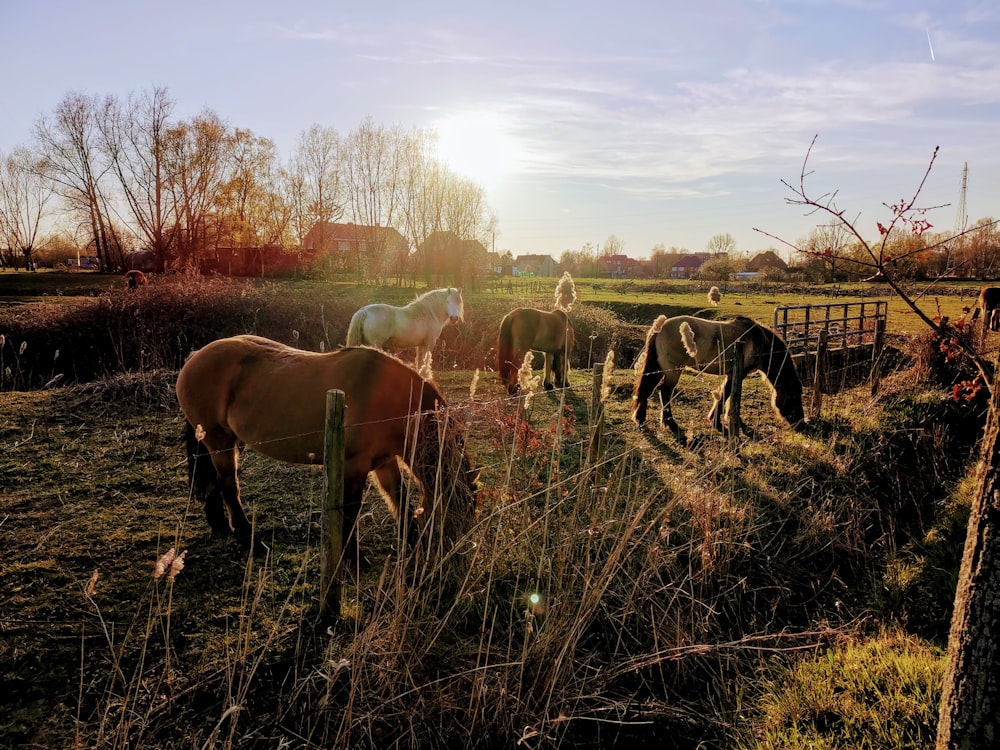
(453,318)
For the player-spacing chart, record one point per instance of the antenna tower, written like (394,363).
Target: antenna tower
(961,217)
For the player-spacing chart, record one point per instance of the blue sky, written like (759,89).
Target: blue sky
(657,121)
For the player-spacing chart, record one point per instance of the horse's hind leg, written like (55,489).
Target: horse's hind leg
(227,465)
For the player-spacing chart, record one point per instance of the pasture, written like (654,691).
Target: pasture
(662,594)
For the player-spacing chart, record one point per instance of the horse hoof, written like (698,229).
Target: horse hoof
(549,386)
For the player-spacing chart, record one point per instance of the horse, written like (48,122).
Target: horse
(674,345)
(418,324)
(524,329)
(135,279)
(988,304)
(248,391)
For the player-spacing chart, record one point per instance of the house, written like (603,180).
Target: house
(445,258)
(535,265)
(765,261)
(342,245)
(617,266)
(686,267)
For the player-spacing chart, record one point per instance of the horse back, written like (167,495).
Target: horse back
(273,396)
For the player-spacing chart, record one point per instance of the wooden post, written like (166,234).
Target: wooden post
(332,527)
(876,377)
(596,415)
(736,394)
(820,373)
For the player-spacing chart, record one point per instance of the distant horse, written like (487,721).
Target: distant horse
(989,305)
(687,343)
(135,279)
(248,391)
(524,329)
(418,324)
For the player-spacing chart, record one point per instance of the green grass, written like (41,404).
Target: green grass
(871,693)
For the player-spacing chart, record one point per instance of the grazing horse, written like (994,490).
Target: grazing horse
(989,305)
(524,329)
(418,324)
(248,391)
(135,279)
(674,345)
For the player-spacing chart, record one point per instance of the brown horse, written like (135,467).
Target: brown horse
(674,345)
(248,391)
(135,279)
(989,305)
(524,329)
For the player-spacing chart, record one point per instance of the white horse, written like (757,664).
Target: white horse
(418,324)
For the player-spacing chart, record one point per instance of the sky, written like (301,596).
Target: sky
(658,122)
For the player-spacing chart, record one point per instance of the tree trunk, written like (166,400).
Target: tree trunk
(970,704)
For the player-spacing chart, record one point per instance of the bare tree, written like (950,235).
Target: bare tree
(137,138)
(71,143)
(197,155)
(722,244)
(25,191)
(314,180)
(375,159)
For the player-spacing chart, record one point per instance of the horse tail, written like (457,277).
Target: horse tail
(648,372)
(356,329)
(505,354)
(202,477)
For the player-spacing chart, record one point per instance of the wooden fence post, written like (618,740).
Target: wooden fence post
(820,373)
(736,394)
(876,377)
(332,527)
(596,415)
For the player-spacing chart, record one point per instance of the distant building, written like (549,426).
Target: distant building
(618,266)
(341,245)
(686,266)
(535,265)
(766,260)
(445,258)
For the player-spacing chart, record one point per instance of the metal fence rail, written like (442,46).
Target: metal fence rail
(847,324)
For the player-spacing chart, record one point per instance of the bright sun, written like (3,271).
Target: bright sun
(476,145)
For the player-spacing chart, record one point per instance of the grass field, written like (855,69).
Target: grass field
(787,590)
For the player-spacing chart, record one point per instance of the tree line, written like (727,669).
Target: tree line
(111,175)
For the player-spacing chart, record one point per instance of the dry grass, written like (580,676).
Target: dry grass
(630,599)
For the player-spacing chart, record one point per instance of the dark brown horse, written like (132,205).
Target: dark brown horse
(135,279)
(674,345)
(989,305)
(248,391)
(524,329)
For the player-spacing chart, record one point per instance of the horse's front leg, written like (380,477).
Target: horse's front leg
(354,490)
(227,465)
(547,381)
(667,421)
(394,492)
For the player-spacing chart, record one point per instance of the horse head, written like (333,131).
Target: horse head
(455,305)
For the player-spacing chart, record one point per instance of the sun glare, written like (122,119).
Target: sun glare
(476,145)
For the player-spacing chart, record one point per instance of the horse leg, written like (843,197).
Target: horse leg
(560,368)
(720,397)
(227,465)
(390,482)
(666,390)
(354,490)
(547,381)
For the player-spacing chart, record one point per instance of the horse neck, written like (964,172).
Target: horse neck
(775,361)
